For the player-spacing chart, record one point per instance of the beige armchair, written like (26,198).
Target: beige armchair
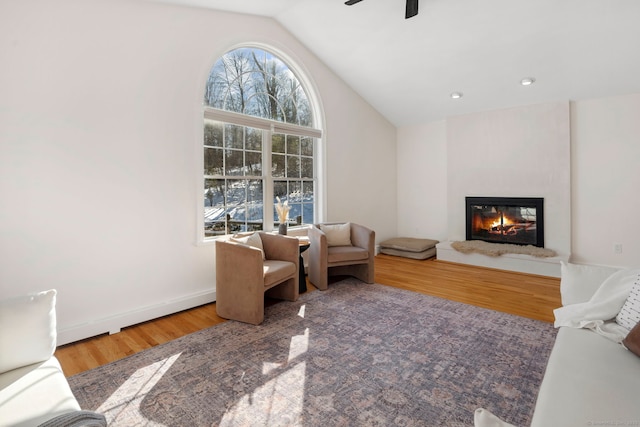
(244,274)
(340,249)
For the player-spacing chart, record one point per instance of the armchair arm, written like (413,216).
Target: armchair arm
(318,250)
(238,263)
(279,247)
(318,257)
(363,237)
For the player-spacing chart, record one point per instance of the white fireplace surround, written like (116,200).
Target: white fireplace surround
(518,152)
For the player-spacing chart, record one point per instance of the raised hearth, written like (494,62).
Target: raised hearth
(549,266)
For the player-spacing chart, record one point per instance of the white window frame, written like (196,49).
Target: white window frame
(268,127)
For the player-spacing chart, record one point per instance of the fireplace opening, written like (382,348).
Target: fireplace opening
(516,220)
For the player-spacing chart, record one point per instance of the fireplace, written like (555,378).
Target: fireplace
(516,220)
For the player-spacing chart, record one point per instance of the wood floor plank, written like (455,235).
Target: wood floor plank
(511,292)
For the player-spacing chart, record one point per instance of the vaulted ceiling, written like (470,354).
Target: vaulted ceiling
(408,68)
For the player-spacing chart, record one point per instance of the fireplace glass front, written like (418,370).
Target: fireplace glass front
(516,220)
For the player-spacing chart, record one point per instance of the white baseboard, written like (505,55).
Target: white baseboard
(511,262)
(113,324)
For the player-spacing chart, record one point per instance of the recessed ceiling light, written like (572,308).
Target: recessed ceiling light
(527,81)
(456,95)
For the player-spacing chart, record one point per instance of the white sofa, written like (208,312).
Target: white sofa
(590,379)
(33,388)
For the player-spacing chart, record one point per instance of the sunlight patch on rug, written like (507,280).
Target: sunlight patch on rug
(128,396)
(284,394)
(301,311)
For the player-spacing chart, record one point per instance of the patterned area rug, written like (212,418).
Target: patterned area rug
(354,355)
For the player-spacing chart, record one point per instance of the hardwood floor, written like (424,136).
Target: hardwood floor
(522,294)
(516,293)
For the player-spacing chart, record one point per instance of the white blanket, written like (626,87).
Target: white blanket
(598,314)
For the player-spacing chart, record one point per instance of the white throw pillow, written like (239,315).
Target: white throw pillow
(578,283)
(27,330)
(337,234)
(253,240)
(629,315)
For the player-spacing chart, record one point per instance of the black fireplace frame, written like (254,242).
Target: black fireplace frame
(534,202)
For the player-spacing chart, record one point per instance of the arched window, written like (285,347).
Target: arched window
(260,144)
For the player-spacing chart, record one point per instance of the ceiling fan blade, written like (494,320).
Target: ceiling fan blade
(352,2)
(412,8)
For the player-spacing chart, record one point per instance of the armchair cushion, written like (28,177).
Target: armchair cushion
(276,271)
(338,254)
(337,234)
(28,328)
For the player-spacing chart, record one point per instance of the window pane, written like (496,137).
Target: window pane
(293,144)
(307,213)
(307,167)
(214,219)
(254,139)
(213,133)
(277,143)
(277,165)
(293,167)
(236,197)
(279,190)
(308,201)
(306,146)
(255,214)
(233,162)
(253,164)
(213,161)
(295,214)
(233,136)
(307,191)
(295,191)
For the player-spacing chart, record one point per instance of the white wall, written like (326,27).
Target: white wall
(422,184)
(100,153)
(605,150)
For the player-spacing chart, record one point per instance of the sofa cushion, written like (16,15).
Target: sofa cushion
(33,394)
(632,340)
(340,254)
(629,315)
(578,282)
(28,328)
(337,234)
